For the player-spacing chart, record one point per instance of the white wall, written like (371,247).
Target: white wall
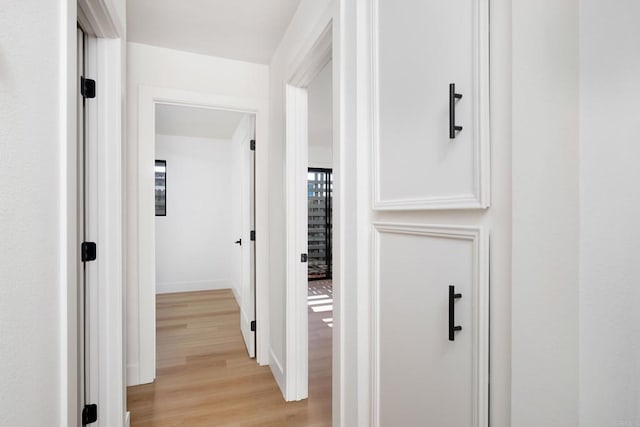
(308,14)
(32,156)
(576,326)
(38,248)
(609,212)
(166,68)
(320,124)
(194,243)
(546,214)
(320,157)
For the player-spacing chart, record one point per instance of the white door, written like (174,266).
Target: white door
(431,105)
(430,299)
(430,142)
(245,223)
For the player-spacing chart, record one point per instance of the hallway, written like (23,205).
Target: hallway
(205,378)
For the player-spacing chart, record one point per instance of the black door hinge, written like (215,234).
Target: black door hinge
(89,414)
(87,87)
(253,326)
(252,235)
(88,251)
(304,257)
(252,145)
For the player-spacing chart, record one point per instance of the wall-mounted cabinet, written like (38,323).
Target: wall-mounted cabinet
(430,341)
(431,146)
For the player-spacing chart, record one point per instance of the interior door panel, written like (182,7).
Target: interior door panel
(423,376)
(420,48)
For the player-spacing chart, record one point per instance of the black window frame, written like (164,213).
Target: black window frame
(155,181)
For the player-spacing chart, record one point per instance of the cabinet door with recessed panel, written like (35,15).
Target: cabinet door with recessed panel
(429,93)
(430,326)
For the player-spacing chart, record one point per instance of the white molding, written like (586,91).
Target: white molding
(148,97)
(107,308)
(236,295)
(127,419)
(481,197)
(68,212)
(313,57)
(193,286)
(296,315)
(276,370)
(104,127)
(100,18)
(480,310)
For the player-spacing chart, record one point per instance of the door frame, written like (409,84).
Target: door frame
(313,57)
(148,98)
(105,28)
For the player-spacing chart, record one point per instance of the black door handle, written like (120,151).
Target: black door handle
(453,97)
(238,242)
(452,313)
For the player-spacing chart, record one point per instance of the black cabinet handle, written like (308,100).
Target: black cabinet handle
(452,313)
(238,242)
(453,97)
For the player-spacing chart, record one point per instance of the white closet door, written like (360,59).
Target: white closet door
(420,48)
(247,284)
(429,123)
(430,341)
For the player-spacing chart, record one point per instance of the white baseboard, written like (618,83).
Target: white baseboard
(237,295)
(277,371)
(200,285)
(127,419)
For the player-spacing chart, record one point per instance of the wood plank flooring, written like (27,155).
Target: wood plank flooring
(205,378)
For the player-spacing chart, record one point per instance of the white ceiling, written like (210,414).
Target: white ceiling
(196,122)
(246,30)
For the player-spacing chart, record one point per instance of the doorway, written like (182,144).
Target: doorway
(310,213)
(320,236)
(204,207)
(204,179)
(143,370)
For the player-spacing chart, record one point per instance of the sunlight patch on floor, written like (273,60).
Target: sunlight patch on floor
(321,301)
(322,308)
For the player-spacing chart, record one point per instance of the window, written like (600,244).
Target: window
(161,187)
(319,192)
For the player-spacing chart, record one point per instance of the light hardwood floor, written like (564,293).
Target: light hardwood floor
(205,378)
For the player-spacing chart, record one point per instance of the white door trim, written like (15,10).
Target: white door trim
(110,300)
(296,316)
(313,57)
(100,20)
(143,370)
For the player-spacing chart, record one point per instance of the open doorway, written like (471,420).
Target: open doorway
(320,236)
(204,196)
(310,213)
(204,258)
